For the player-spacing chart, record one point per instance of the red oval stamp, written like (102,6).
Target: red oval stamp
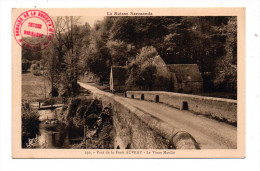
(34,29)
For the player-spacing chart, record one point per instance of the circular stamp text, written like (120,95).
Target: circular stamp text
(34,29)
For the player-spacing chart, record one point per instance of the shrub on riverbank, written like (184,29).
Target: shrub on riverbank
(30,122)
(101,135)
(78,109)
(81,111)
(74,110)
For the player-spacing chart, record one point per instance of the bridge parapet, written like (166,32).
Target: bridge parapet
(217,108)
(135,129)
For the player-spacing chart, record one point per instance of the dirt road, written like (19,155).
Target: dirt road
(209,133)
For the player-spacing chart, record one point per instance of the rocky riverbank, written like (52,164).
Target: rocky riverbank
(87,113)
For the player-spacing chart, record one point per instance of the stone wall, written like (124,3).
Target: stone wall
(136,129)
(218,108)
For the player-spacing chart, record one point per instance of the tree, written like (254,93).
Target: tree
(96,54)
(204,40)
(65,56)
(142,70)
(28,53)
(52,69)
(120,52)
(225,77)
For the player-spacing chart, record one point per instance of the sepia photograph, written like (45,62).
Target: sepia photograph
(128,83)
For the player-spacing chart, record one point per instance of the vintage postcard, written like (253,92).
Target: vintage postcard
(128,83)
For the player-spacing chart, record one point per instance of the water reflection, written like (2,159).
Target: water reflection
(59,136)
(53,134)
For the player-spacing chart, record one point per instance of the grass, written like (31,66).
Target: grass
(33,87)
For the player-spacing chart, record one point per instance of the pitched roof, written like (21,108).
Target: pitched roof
(161,67)
(185,72)
(119,74)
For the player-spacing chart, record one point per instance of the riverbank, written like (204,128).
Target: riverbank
(84,112)
(40,125)
(73,122)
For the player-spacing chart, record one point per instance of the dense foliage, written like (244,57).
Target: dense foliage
(30,123)
(210,42)
(144,72)
(81,112)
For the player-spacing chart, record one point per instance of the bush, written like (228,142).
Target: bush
(25,65)
(37,68)
(38,64)
(54,92)
(30,122)
(143,71)
(79,108)
(37,72)
(33,67)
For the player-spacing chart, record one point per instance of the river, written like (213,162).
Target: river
(54,134)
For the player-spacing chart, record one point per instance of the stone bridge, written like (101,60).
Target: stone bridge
(153,120)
